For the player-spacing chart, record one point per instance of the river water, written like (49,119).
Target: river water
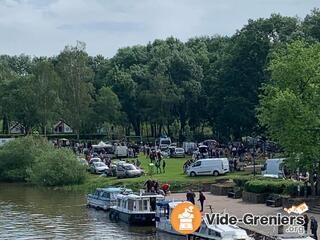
(36,213)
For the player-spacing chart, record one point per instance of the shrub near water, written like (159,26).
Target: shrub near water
(18,155)
(56,168)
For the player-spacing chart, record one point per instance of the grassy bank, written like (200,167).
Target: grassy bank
(173,175)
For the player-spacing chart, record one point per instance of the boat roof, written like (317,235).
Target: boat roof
(294,237)
(114,189)
(170,203)
(225,228)
(136,196)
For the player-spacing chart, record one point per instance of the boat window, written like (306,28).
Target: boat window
(163,212)
(139,205)
(203,230)
(106,195)
(119,203)
(145,205)
(130,167)
(130,204)
(124,204)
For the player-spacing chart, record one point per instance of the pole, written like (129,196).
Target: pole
(254,159)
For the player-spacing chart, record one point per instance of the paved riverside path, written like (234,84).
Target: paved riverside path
(238,208)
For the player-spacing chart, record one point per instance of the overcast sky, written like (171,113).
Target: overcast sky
(44,27)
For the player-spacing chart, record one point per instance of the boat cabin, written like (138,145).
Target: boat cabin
(165,207)
(138,203)
(105,197)
(163,214)
(221,232)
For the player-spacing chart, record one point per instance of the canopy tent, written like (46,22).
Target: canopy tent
(101,145)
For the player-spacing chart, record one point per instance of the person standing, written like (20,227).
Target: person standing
(314,228)
(148,185)
(202,198)
(306,223)
(191,196)
(158,166)
(163,166)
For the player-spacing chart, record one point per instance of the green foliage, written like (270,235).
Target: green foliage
(76,85)
(311,25)
(289,109)
(17,156)
(56,168)
(151,169)
(272,186)
(240,181)
(33,159)
(206,82)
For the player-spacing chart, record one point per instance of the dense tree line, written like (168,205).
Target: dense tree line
(165,86)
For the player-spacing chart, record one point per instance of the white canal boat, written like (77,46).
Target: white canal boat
(104,198)
(163,214)
(219,232)
(135,209)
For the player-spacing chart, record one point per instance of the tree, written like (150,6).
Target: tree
(6,75)
(20,104)
(76,85)
(240,71)
(45,85)
(107,107)
(311,25)
(289,108)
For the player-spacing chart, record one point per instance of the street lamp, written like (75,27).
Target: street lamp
(254,157)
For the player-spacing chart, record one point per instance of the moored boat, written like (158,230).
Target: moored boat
(104,198)
(135,209)
(219,232)
(163,214)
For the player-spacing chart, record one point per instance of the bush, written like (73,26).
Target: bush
(56,168)
(276,186)
(18,155)
(240,181)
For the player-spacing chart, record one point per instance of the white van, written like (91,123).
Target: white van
(273,168)
(121,151)
(209,166)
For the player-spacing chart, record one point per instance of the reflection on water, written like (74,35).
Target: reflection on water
(35,213)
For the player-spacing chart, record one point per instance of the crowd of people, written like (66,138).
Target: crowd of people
(154,187)
(191,198)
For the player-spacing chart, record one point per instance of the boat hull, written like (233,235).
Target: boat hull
(164,225)
(141,219)
(99,203)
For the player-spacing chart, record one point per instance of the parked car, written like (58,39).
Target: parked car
(127,170)
(84,163)
(93,160)
(189,147)
(99,168)
(209,166)
(112,171)
(178,153)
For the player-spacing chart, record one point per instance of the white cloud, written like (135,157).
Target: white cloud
(44,27)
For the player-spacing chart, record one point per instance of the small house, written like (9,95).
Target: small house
(62,127)
(16,128)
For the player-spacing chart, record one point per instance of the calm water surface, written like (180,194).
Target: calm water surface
(35,213)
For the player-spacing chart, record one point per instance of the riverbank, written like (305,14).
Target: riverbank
(173,175)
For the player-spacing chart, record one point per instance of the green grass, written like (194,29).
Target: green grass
(173,175)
